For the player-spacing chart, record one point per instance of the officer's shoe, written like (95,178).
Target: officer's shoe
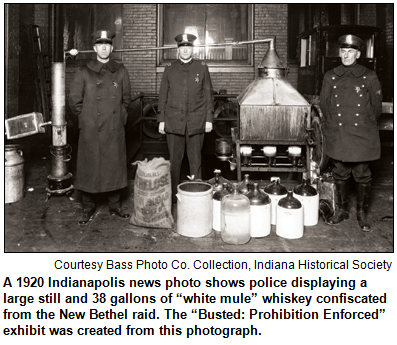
(362,218)
(340,215)
(341,212)
(119,212)
(86,217)
(363,191)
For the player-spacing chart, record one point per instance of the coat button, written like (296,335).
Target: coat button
(364,77)
(98,98)
(340,124)
(98,82)
(337,105)
(361,95)
(336,95)
(334,87)
(358,105)
(99,114)
(362,85)
(357,114)
(333,77)
(355,124)
(339,114)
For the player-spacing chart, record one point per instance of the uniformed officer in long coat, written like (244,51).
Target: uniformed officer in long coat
(99,95)
(186,109)
(351,101)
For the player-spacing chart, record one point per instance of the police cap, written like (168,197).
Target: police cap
(185,39)
(350,41)
(103,36)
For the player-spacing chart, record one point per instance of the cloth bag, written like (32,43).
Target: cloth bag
(152,194)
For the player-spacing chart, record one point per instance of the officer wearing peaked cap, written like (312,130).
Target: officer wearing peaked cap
(186,109)
(103,36)
(351,101)
(99,96)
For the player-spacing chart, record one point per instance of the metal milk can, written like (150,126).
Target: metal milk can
(14,176)
(289,217)
(309,198)
(260,211)
(275,191)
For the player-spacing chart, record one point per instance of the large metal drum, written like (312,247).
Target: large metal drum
(14,176)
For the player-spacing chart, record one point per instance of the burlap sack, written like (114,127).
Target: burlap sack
(152,194)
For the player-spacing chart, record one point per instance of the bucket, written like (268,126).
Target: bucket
(14,176)
(194,210)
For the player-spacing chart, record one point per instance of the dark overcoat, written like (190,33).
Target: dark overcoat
(99,96)
(351,101)
(186,99)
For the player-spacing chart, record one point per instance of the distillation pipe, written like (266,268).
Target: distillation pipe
(266,40)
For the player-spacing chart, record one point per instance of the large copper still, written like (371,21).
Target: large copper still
(273,114)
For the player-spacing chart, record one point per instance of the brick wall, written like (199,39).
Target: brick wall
(12,64)
(140,30)
(269,20)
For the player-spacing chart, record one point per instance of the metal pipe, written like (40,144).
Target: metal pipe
(60,180)
(58,103)
(266,40)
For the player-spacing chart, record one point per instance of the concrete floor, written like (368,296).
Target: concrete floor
(33,225)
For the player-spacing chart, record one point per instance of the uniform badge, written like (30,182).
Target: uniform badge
(197,79)
(115,84)
(357,89)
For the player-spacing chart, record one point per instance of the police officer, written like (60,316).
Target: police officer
(99,96)
(186,109)
(351,101)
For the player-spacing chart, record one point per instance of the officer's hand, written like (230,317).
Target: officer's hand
(208,127)
(161,128)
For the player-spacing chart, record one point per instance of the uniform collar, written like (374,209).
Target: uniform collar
(187,63)
(357,70)
(96,65)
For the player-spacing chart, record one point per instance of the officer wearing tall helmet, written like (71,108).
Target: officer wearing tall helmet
(99,96)
(351,101)
(186,109)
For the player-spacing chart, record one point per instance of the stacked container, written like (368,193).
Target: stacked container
(289,217)
(216,206)
(275,191)
(309,198)
(260,204)
(235,217)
